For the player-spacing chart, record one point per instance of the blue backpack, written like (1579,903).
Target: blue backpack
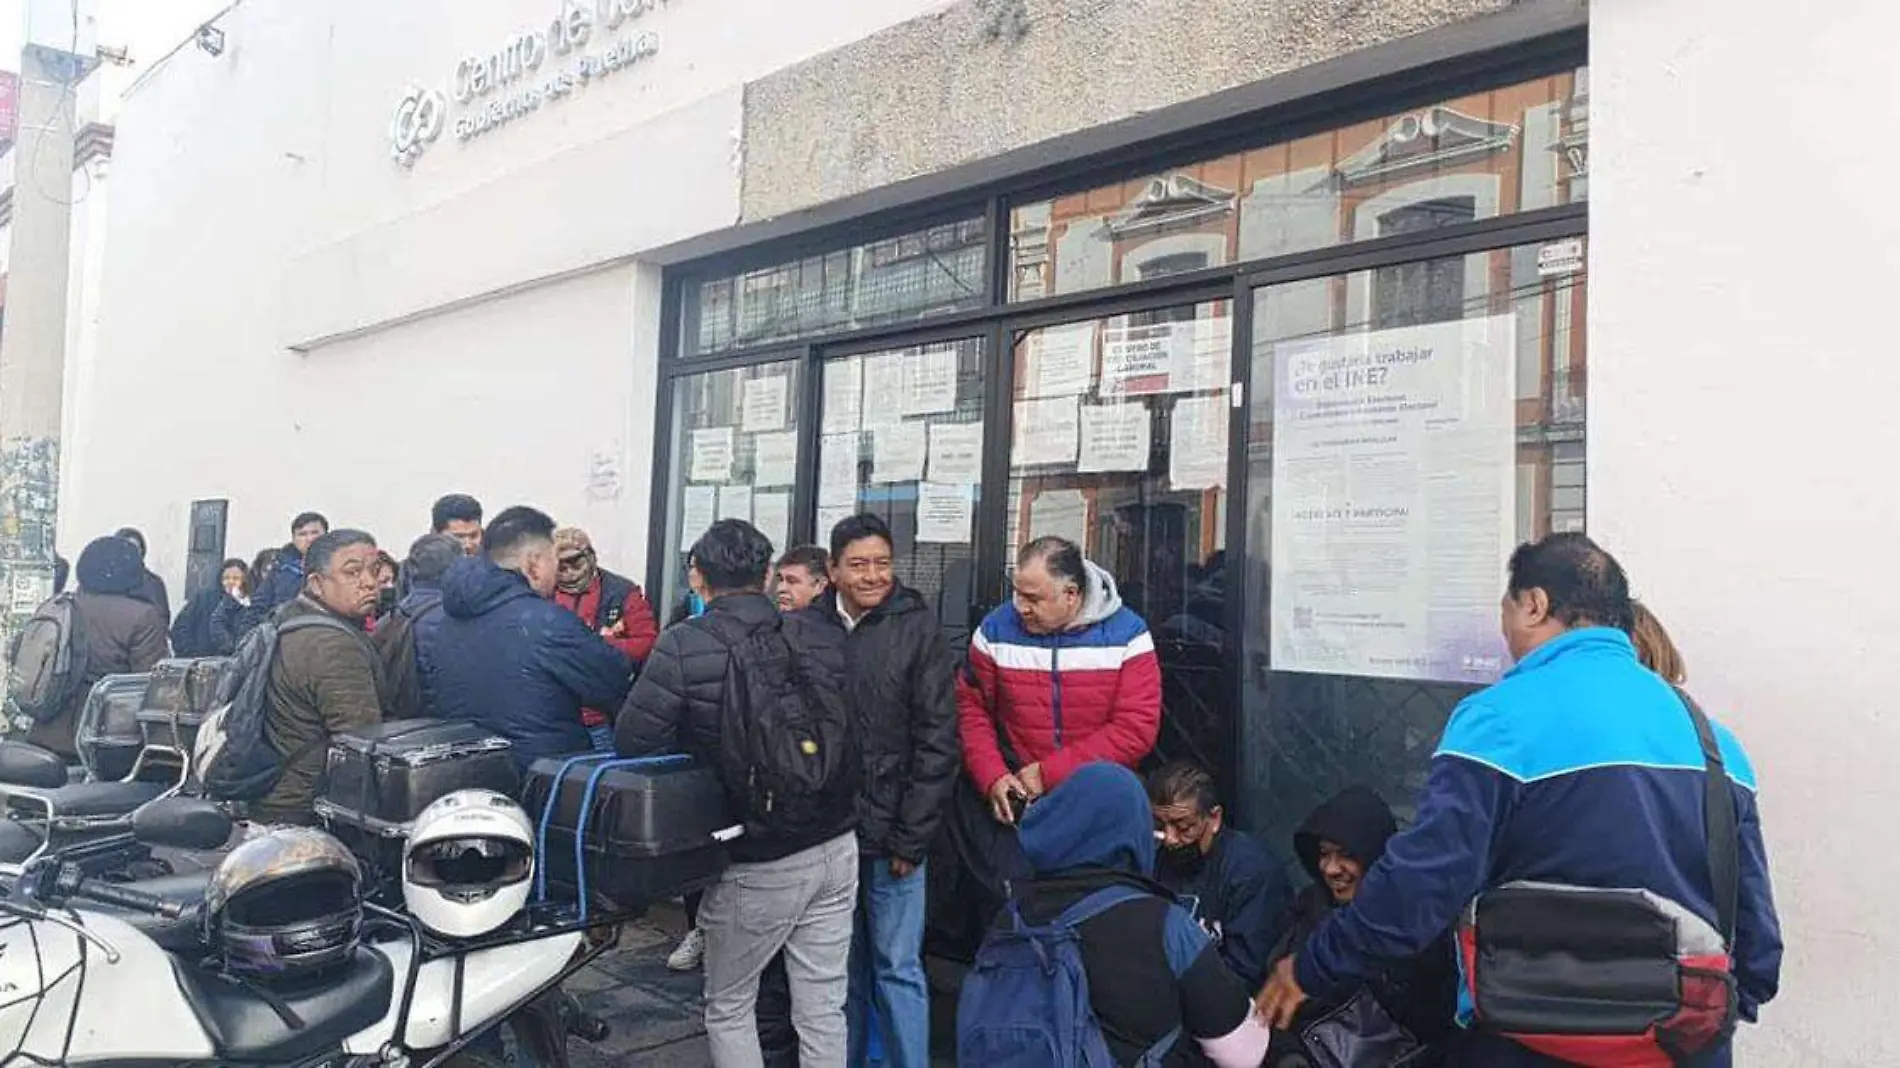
(1025,1003)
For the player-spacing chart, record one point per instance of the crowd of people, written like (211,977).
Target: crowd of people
(1015,760)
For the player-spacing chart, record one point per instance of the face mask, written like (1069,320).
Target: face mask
(1183,859)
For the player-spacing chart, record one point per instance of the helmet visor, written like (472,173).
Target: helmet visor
(472,865)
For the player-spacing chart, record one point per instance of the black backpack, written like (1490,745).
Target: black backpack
(787,754)
(47,661)
(395,642)
(234,760)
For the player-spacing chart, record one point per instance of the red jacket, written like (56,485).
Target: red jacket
(1063,700)
(627,609)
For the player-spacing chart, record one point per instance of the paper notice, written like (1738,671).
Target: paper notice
(1064,513)
(1203,350)
(944,513)
(712,455)
(886,387)
(772,514)
(1046,432)
(763,405)
(775,459)
(1063,359)
(1197,452)
(1137,359)
(844,388)
(838,471)
(829,517)
(897,452)
(699,506)
(735,502)
(1115,437)
(956,453)
(933,381)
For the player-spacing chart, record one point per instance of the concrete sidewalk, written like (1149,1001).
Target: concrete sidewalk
(656,1016)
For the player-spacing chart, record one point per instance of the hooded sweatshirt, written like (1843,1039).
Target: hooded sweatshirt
(1091,692)
(1097,830)
(516,663)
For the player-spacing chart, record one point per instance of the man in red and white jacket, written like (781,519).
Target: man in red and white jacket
(613,606)
(1064,673)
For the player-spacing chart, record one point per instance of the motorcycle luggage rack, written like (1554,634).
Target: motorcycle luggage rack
(67,824)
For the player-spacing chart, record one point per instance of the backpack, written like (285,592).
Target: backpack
(395,642)
(47,661)
(1025,1003)
(787,755)
(233,758)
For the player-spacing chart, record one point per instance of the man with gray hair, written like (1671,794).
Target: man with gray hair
(406,638)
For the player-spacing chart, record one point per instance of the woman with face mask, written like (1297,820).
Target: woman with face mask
(196,631)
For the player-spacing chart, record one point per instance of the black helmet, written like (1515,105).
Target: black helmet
(286,903)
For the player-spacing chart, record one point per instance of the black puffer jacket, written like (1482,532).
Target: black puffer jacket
(900,678)
(675,705)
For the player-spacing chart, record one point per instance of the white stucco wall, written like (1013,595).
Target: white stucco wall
(477,322)
(1741,431)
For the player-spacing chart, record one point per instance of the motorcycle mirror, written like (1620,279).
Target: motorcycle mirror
(182,823)
(24,764)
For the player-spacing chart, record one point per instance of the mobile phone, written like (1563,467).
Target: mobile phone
(1018,804)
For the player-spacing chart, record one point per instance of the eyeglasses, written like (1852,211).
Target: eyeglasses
(573,563)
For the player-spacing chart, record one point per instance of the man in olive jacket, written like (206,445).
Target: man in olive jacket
(900,681)
(324,680)
(118,631)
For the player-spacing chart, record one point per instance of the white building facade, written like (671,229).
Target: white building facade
(999,268)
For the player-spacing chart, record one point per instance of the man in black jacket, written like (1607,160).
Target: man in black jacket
(1237,886)
(900,684)
(782,891)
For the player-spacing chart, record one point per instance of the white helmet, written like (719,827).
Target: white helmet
(469,863)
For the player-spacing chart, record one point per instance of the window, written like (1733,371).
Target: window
(1517,148)
(908,277)
(1119,443)
(735,456)
(1393,463)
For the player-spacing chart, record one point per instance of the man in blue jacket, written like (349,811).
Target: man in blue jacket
(506,656)
(1579,767)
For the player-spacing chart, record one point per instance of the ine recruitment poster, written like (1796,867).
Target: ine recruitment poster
(1394,501)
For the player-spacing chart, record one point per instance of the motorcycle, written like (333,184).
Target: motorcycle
(47,807)
(100,973)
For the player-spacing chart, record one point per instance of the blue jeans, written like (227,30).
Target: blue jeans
(887,967)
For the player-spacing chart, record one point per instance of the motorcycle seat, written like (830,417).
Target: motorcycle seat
(86,799)
(244,1027)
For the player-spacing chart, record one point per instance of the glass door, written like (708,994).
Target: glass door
(901,436)
(1118,442)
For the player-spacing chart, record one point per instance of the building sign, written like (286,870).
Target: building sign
(589,40)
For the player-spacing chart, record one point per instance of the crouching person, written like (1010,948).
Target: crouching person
(1235,886)
(1093,962)
(1337,844)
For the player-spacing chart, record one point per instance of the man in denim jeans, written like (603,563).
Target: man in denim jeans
(793,892)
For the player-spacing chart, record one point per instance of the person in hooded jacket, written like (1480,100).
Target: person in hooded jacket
(119,631)
(284,582)
(505,656)
(151,588)
(613,605)
(900,684)
(1062,675)
(193,632)
(406,639)
(1336,845)
(1238,887)
(1151,969)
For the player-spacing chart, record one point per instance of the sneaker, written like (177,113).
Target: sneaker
(687,955)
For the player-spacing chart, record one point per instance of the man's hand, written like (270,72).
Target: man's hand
(1031,778)
(999,797)
(1280,1000)
(901,868)
(618,630)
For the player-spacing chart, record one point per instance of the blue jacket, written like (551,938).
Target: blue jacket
(1240,892)
(1580,766)
(423,606)
(520,665)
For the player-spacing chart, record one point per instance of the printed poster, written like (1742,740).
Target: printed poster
(933,381)
(1046,432)
(1197,449)
(712,455)
(699,506)
(1064,513)
(944,513)
(772,514)
(886,387)
(735,502)
(1115,437)
(1394,464)
(830,516)
(762,404)
(1137,360)
(775,459)
(1062,359)
(956,453)
(897,452)
(838,470)
(844,389)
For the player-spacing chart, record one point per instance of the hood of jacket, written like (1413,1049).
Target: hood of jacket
(1356,818)
(1102,598)
(475,587)
(1098,818)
